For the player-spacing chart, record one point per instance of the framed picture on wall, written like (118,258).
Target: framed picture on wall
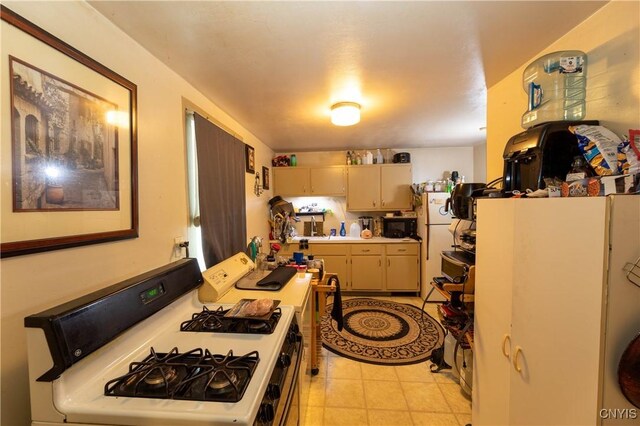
(72,148)
(265,177)
(250,158)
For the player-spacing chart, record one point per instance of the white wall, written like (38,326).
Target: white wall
(480,163)
(35,282)
(611,40)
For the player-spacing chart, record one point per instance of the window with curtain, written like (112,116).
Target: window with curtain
(217,201)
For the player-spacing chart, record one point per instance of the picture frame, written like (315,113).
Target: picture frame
(265,177)
(250,159)
(70,140)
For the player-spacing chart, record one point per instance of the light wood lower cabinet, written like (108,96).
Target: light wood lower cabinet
(402,273)
(371,267)
(366,267)
(338,265)
(366,273)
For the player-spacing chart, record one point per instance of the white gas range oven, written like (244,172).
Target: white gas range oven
(147,352)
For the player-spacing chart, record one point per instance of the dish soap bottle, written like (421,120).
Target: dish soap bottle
(343,231)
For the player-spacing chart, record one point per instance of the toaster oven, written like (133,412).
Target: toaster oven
(457,265)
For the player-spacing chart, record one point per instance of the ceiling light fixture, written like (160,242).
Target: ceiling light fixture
(345,113)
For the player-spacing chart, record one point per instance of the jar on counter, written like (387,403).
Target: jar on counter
(429,187)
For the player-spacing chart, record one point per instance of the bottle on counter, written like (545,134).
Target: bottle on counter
(358,159)
(294,160)
(354,230)
(349,160)
(343,230)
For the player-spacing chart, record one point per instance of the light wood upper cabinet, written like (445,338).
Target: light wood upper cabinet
(291,181)
(329,180)
(363,188)
(395,180)
(308,181)
(379,187)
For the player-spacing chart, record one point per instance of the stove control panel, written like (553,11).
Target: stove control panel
(221,277)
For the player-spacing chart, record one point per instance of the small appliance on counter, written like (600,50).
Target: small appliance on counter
(545,150)
(399,227)
(462,200)
(366,222)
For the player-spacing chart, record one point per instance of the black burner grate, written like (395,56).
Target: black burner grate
(195,375)
(215,321)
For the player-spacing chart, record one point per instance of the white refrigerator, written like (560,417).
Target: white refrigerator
(433,228)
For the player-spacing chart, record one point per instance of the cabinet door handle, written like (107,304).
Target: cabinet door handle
(304,188)
(388,262)
(506,339)
(383,203)
(379,262)
(366,250)
(402,249)
(516,364)
(312,189)
(374,204)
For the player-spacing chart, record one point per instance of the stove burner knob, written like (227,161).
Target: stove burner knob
(285,359)
(293,338)
(266,413)
(294,328)
(273,391)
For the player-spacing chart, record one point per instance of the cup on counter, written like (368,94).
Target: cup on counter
(298,256)
(261,261)
(302,270)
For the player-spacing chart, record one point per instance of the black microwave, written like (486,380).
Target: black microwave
(399,227)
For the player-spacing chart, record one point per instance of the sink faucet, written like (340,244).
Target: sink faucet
(313,226)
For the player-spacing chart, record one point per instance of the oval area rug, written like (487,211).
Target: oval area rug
(381,332)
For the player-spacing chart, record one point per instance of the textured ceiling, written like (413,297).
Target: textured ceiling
(419,69)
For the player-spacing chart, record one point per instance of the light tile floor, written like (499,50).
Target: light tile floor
(347,392)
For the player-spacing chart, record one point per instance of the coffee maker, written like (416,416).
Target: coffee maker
(366,222)
(543,151)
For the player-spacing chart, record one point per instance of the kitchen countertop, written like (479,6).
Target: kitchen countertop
(353,240)
(294,293)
